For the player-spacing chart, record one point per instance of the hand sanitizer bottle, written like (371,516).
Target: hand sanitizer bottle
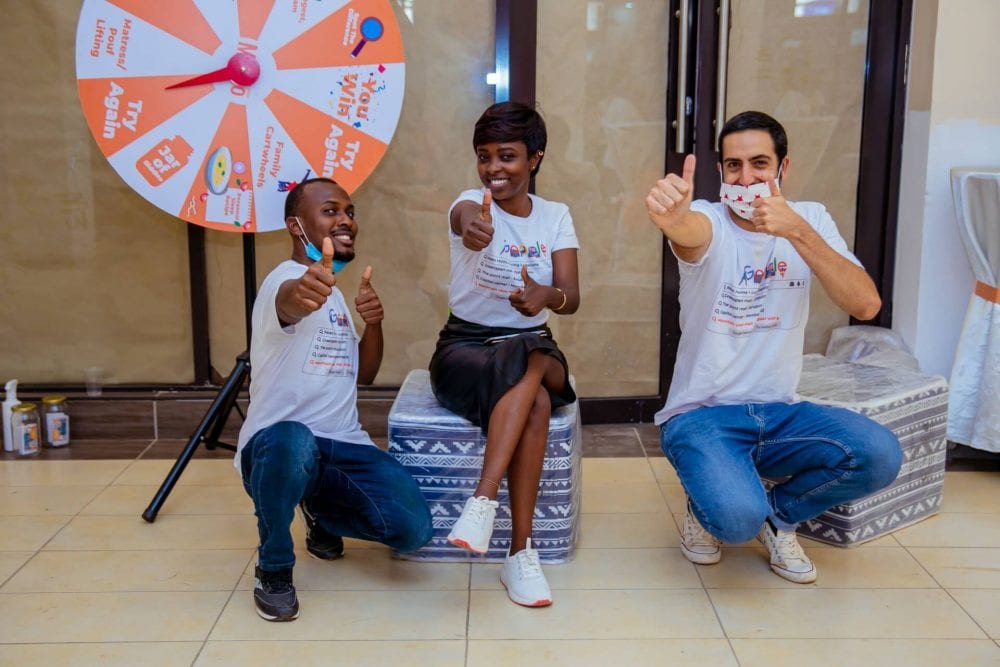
(9,402)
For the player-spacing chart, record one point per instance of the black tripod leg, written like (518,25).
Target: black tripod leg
(216,414)
(225,409)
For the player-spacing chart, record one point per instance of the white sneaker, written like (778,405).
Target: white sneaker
(788,560)
(523,578)
(697,544)
(473,529)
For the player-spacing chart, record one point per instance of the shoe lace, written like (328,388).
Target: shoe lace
(695,533)
(479,510)
(276,582)
(788,545)
(528,564)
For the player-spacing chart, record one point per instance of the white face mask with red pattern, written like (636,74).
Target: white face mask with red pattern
(738,197)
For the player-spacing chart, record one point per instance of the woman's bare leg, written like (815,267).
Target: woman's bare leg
(525,470)
(520,421)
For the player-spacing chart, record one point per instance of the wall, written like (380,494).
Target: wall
(952,119)
(90,273)
(606,127)
(93,275)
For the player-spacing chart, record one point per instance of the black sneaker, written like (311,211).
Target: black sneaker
(319,543)
(274,595)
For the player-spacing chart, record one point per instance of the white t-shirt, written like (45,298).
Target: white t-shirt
(306,372)
(744,307)
(482,281)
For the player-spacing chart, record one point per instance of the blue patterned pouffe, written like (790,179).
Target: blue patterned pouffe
(911,405)
(444,454)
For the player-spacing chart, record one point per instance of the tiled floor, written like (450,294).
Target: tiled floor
(85,581)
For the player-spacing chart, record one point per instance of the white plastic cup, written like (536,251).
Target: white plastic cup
(94,377)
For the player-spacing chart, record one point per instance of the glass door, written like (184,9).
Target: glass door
(803,62)
(601,74)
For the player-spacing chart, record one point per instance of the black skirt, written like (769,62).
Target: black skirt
(474,366)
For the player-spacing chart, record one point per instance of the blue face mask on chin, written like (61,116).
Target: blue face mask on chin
(313,253)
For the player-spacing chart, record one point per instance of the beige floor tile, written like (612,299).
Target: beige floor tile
(953,530)
(663,471)
(676,498)
(137,571)
(298,528)
(837,568)
(350,544)
(167,532)
(678,520)
(370,570)
(29,533)
(358,615)
(132,654)
(108,617)
(59,473)
(355,654)
(888,652)
(883,541)
(617,470)
(971,492)
(35,500)
(627,531)
(608,569)
(667,614)
(600,653)
(622,497)
(10,561)
(198,472)
(961,568)
(132,500)
(856,614)
(984,606)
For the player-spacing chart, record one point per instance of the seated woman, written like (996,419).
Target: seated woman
(513,259)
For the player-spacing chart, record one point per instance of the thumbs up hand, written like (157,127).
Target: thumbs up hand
(479,233)
(367,302)
(670,199)
(311,290)
(530,299)
(772,215)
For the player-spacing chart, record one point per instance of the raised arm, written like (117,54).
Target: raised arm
(669,208)
(846,283)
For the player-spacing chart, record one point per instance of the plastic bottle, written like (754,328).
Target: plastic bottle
(24,426)
(10,400)
(55,419)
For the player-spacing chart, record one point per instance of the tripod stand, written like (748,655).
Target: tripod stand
(215,419)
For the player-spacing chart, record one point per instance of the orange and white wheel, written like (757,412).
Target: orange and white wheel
(213,110)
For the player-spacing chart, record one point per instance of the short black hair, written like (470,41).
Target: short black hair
(757,120)
(296,193)
(507,122)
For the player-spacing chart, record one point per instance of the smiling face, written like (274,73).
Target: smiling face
(324,210)
(748,157)
(505,168)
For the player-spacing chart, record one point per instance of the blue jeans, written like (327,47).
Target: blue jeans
(830,456)
(353,491)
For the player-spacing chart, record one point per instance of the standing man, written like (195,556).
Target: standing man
(302,443)
(746,265)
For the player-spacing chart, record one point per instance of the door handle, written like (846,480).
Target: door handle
(680,123)
(721,70)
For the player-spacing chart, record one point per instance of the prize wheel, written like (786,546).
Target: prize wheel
(214,110)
